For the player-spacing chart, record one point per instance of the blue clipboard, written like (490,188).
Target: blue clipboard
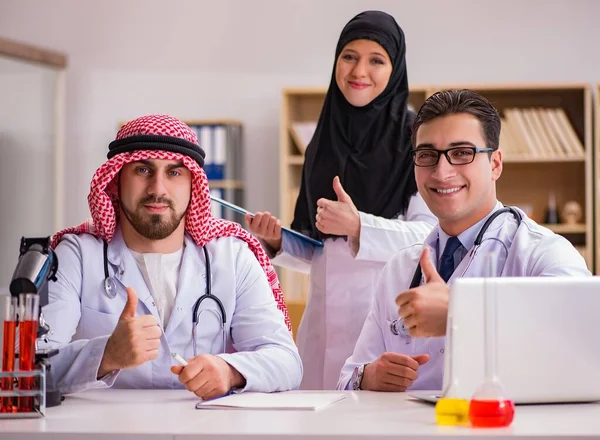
(241,210)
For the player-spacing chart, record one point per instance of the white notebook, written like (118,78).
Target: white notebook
(291,400)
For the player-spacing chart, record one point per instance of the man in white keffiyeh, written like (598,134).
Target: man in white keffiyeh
(129,280)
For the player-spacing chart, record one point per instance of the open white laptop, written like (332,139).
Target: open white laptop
(548,339)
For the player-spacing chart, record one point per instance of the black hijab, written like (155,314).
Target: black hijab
(368,147)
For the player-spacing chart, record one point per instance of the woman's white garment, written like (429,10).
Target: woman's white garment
(161,273)
(342,282)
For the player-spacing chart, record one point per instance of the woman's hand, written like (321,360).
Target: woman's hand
(338,217)
(266,227)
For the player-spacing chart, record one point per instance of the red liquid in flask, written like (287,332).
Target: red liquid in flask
(27,337)
(491,413)
(8,363)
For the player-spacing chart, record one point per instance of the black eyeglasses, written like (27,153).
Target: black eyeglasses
(428,157)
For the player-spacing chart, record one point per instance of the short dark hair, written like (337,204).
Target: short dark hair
(449,102)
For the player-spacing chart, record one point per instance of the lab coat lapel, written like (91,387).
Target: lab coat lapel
(462,267)
(431,243)
(191,284)
(494,244)
(128,274)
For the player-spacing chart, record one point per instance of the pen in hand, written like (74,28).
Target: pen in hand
(181,361)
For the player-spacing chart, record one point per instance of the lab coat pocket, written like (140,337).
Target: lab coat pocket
(210,331)
(97,323)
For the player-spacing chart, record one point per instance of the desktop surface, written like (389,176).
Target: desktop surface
(145,414)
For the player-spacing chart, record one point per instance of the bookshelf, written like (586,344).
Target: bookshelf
(546,140)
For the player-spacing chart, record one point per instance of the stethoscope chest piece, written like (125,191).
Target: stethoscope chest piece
(397,328)
(110,287)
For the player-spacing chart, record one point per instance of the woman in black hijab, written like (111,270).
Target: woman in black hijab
(367,146)
(358,194)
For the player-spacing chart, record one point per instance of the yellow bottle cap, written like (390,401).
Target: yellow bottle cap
(450,411)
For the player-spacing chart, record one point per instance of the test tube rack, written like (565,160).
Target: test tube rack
(38,394)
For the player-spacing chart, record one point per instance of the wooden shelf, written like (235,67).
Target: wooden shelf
(563,228)
(296,159)
(532,160)
(526,87)
(226,184)
(290,91)
(295,310)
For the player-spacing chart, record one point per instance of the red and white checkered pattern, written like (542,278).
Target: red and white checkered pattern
(164,125)
(199,223)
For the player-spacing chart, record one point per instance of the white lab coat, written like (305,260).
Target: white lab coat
(341,287)
(82,316)
(532,251)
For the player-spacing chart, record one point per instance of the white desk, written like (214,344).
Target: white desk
(154,415)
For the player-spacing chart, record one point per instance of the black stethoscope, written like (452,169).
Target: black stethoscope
(110,287)
(396,326)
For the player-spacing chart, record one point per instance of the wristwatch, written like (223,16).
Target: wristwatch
(357,376)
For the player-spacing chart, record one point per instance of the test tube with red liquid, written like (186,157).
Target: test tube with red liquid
(489,407)
(9,309)
(28,325)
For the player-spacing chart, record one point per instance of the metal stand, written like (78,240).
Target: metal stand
(38,393)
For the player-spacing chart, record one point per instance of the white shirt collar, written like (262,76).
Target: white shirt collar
(467,237)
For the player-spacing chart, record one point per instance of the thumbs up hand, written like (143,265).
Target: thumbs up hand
(424,309)
(135,340)
(338,217)
(130,305)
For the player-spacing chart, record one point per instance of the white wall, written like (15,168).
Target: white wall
(26,157)
(230,58)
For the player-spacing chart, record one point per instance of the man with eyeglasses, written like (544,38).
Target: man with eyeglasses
(457,162)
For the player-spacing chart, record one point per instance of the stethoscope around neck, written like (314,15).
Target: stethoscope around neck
(396,326)
(110,287)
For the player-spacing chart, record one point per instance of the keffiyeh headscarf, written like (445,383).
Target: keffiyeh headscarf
(163,137)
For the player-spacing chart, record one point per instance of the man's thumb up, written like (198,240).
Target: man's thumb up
(130,305)
(429,271)
(342,196)
(421,358)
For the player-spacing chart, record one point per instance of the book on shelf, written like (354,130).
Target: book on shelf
(222,145)
(302,133)
(539,133)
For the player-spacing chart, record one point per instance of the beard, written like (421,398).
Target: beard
(153,226)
